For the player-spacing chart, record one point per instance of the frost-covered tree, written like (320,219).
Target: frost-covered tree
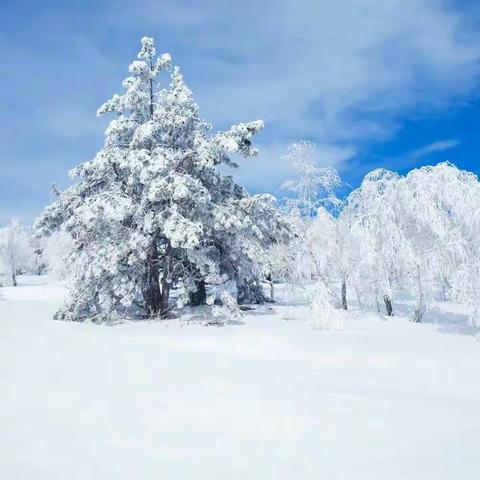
(415,235)
(418,233)
(152,212)
(312,186)
(16,251)
(442,205)
(313,208)
(372,209)
(327,253)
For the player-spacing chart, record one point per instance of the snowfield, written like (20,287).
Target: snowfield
(272,398)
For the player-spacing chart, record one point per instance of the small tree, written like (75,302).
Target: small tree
(312,186)
(16,251)
(313,211)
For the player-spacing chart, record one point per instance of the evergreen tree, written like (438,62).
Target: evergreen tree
(152,212)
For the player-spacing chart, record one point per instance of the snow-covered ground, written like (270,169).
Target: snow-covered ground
(273,398)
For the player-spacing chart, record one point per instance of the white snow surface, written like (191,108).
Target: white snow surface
(273,398)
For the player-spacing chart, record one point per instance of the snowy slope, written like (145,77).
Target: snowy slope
(270,399)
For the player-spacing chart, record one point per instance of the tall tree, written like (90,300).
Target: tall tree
(152,211)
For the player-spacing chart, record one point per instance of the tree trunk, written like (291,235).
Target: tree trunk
(165,283)
(152,295)
(359,300)
(445,288)
(344,295)
(199,297)
(272,288)
(388,305)
(418,314)
(165,298)
(377,301)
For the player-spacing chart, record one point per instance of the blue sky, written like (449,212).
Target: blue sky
(375,83)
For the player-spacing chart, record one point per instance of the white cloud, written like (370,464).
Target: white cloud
(344,74)
(439,146)
(417,156)
(324,68)
(340,73)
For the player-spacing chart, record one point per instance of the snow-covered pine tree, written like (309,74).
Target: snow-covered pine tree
(152,211)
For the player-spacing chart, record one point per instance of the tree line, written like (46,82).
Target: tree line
(151,223)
